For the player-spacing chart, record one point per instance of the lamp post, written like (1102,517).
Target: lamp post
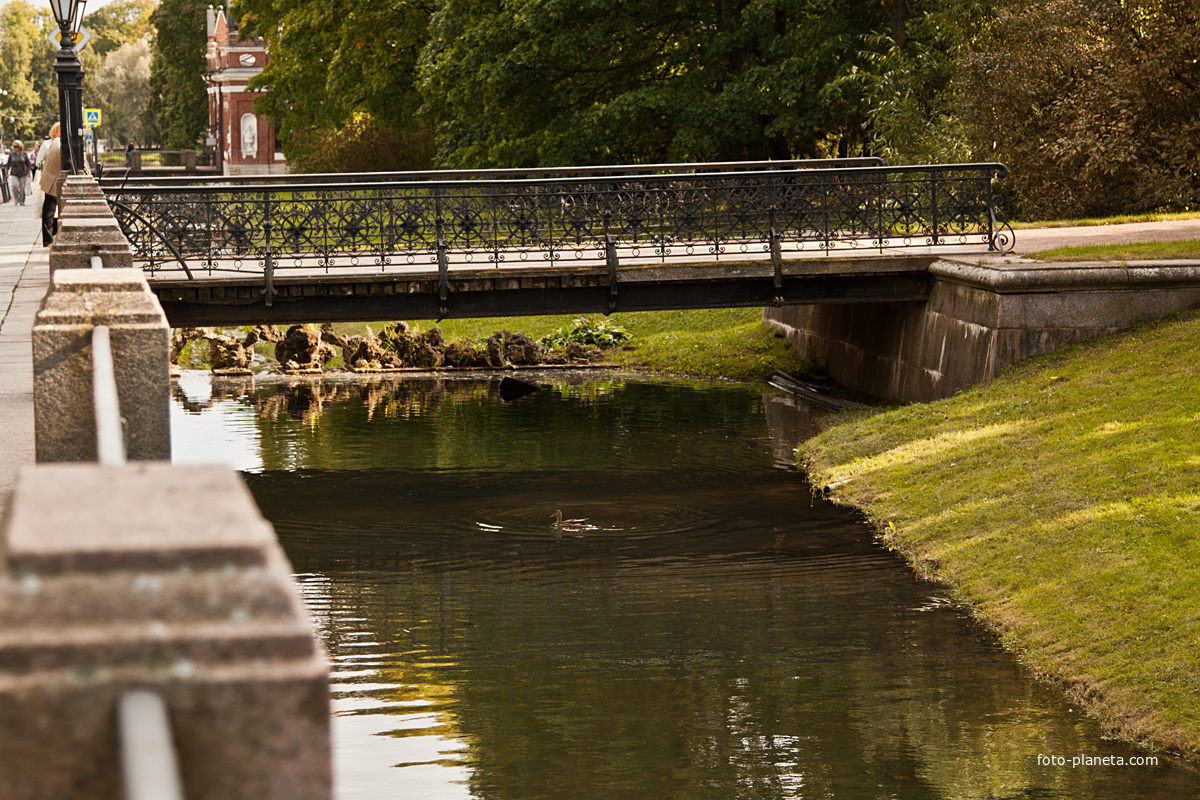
(68,14)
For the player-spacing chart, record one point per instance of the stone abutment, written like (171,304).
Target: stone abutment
(979,319)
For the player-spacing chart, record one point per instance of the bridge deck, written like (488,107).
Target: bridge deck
(416,293)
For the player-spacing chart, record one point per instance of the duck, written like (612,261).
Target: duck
(571,524)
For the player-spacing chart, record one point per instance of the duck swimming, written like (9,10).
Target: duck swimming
(571,524)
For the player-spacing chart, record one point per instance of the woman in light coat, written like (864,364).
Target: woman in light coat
(51,183)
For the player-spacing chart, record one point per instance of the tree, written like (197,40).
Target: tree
(31,104)
(602,81)
(118,23)
(340,85)
(913,78)
(1096,113)
(123,84)
(178,96)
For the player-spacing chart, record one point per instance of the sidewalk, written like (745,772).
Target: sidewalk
(24,278)
(1033,240)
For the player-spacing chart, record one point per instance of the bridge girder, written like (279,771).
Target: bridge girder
(494,293)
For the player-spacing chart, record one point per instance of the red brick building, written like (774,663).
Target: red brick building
(244,140)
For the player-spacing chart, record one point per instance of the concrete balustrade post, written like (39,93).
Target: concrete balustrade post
(64,416)
(162,578)
(87,228)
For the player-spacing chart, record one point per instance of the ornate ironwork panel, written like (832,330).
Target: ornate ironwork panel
(665,217)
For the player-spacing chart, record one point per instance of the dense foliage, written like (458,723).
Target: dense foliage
(178,96)
(1096,113)
(30,104)
(119,23)
(587,330)
(122,87)
(1095,107)
(115,62)
(342,83)
(546,82)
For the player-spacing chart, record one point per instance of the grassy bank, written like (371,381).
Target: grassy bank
(1120,219)
(1136,251)
(1062,503)
(721,343)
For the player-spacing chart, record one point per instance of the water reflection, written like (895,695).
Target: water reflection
(721,634)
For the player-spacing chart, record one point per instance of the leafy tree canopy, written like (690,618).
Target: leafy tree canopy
(549,82)
(178,96)
(1096,112)
(913,79)
(341,79)
(123,87)
(1095,107)
(26,72)
(118,23)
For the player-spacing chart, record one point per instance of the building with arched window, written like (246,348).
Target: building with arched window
(243,140)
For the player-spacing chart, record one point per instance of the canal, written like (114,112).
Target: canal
(712,631)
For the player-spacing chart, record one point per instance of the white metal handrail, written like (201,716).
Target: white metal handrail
(110,428)
(149,765)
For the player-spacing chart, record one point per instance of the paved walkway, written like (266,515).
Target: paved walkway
(24,277)
(1038,239)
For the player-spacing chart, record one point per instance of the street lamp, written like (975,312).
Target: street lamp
(68,14)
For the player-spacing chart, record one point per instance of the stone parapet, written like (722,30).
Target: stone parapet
(87,228)
(979,319)
(64,416)
(158,577)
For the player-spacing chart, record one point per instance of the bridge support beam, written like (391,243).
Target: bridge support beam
(157,578)
(979,319)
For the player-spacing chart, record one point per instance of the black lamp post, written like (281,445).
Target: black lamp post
(68,14)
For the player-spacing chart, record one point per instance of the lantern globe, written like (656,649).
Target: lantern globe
(63,11)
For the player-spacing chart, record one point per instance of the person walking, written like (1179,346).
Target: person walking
(18,172)
(51,183)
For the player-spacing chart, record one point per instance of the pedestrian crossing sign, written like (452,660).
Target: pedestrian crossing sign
(91,117)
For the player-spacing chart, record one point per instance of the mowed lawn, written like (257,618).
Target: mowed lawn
(1061,502)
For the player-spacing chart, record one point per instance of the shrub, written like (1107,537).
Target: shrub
(587,331)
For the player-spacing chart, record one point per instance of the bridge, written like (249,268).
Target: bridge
(424,245)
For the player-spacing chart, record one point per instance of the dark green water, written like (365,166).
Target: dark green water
(719,634)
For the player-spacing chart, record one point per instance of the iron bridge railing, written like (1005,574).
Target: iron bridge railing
(662,214)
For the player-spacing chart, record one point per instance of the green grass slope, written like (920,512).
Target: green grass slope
(729,343)
(1062,502)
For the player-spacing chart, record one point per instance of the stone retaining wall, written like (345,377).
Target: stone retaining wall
(141,576)
(978,320)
